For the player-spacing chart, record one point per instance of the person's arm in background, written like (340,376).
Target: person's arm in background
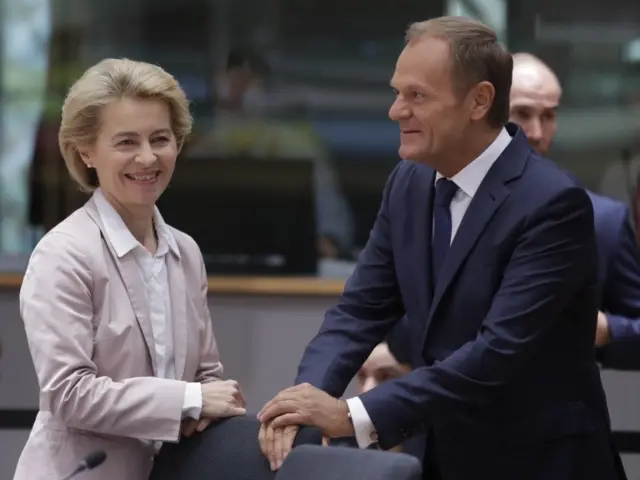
(368,308)
(621,296)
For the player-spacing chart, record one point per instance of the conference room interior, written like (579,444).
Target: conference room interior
(282,178)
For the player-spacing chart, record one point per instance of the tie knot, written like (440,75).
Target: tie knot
(445,190)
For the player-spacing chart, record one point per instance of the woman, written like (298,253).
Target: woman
(114,301)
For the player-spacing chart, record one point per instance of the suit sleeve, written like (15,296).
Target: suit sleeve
(56,305)
(546,269)
(621,299)
(398,340)
(368,308)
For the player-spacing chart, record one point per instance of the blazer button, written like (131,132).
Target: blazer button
(373,437)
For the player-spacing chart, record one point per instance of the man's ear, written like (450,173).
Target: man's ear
(481,96)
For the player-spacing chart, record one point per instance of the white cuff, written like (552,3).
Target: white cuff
(192,404)
(365,431)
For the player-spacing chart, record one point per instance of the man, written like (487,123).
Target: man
(535,97)
(380,367)
(498,284)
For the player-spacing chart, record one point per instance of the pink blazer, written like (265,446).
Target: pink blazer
(90,338)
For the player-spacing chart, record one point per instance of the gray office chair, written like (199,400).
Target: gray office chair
(227,450)
(312,462)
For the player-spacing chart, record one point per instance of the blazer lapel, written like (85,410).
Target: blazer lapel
(486,201)
(130,274)
(493,191)
(423,228)
(178,312)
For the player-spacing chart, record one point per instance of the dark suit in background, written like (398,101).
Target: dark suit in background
(507,383)
(619,283)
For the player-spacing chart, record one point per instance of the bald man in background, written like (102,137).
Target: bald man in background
(534,101)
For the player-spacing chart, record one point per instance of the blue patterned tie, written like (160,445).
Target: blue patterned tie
(441,241)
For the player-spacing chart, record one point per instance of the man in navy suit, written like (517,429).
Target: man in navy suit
(490,251)
(535,97)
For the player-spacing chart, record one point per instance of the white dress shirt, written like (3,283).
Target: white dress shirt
(153,271)
(468,181)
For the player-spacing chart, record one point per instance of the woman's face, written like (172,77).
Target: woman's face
(135,152)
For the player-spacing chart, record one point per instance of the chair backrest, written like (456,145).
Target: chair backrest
(311,462)
(228,449)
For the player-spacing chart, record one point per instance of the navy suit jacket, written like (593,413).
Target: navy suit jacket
(618,289)
(618,282)
(507,380)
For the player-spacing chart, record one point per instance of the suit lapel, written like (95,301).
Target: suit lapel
(491,194)
(130,275)
(423,229)
(486,201)
(178,295)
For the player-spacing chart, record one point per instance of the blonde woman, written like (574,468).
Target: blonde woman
(114,301)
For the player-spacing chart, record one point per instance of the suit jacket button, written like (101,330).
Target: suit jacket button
(373,437)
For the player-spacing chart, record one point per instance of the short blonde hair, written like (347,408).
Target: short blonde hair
(102,84)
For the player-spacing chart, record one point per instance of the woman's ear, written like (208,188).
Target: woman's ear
(85,156)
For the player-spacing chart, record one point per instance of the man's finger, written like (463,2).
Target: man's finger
(271,448)
(276,409)
(286,420)
(290,433)
(285,394)
(278,446)
(268,405)
(262,439)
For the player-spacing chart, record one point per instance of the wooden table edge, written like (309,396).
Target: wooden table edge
(243,285)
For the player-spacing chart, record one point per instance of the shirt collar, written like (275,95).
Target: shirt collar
(470,177)
(122,239)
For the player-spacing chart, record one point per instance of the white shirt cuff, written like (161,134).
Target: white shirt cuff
(365,431)
(192,404)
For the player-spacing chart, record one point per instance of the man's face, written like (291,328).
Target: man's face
(535,96)
(379,367)
(432,118)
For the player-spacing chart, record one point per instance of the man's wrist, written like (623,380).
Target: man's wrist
(345,422)
(604,330)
